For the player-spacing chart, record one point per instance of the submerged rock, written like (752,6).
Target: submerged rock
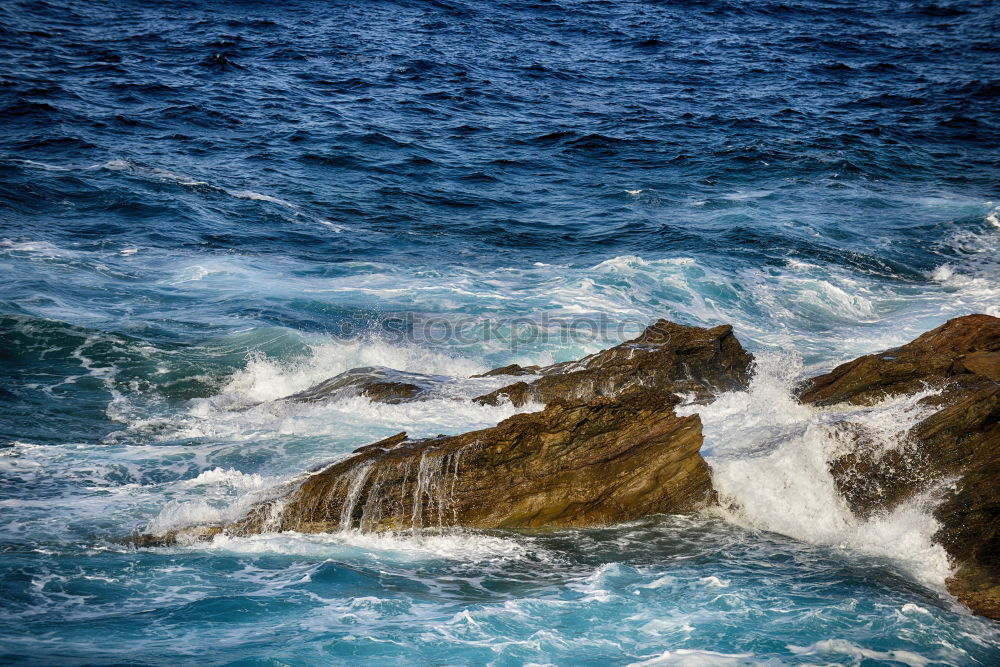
(955,449)
(511,369)
(673,357)
(384,385)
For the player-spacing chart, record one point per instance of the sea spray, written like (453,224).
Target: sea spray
(771,462)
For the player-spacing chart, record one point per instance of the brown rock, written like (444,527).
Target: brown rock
(930,359)
(571,464)
(673,357)
(607,448)
(957,446)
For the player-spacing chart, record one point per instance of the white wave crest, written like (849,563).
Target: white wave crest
(417,546)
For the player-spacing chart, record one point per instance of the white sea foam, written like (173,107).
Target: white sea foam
(859,653)
(770,458)
(215,496)
(248,406)
(454,545)
(42,249)
(180,514)
(116,165)
(971,280)
(748,194)
(777,307)
(346,423)
(256,196)
(266,379)
(228,477)
(701,658)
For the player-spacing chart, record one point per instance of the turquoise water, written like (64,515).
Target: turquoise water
(204,210)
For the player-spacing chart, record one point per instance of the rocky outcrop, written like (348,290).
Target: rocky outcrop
(956,447)
(685,360)
(677,358)
(576,464)
(608,447)
(572,464)
(958,349)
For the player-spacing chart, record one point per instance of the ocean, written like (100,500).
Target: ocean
(208,207)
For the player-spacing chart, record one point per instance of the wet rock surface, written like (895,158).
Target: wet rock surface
(676,358)
(600,462)
(608,447)
(384,385)
(954,452)
(964,346)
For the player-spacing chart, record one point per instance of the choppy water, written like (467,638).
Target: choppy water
(204,209)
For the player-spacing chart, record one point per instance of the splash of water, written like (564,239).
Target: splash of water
(771,466)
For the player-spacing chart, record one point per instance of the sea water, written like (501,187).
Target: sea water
(205,209)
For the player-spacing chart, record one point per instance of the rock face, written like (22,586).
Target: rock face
(958,445)
(571,464)
(608,447)
(677,358)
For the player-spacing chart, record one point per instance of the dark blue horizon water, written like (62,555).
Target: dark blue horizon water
(205,207)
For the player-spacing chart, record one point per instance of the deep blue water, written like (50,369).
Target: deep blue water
(207,207)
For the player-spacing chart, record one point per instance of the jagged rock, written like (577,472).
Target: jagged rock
(958,445)
(605,461)
(681,359)
(967,345)
(673,357)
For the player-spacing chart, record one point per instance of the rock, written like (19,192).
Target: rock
(605,461)
(384,385)
(519,393)
(183,536)
(608,447)
(964,345)
(512,369)
(680,359)
(673,357)
(957,446)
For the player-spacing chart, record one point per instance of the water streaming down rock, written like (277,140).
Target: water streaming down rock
(354,480)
